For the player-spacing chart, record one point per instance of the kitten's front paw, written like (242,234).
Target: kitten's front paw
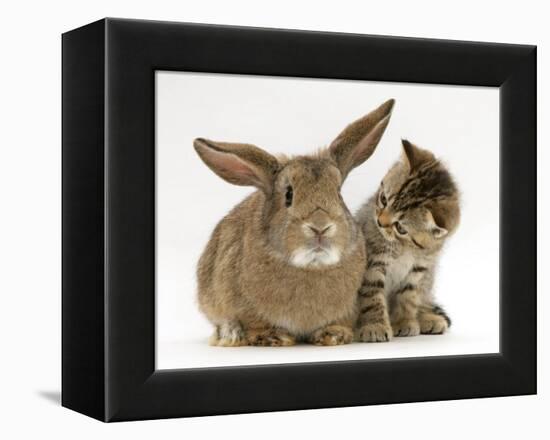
(332,335)
(270,338)
(433,325)
(375,332)
(408,327)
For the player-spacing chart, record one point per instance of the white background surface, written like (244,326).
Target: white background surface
(297,116)
(31,212)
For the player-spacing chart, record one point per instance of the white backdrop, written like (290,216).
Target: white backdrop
(297,116)
(30,185)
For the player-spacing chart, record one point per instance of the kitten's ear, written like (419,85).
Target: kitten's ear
(240,164)
(436,230)
(439,232)
(359,139)
(415,156)
(443,217)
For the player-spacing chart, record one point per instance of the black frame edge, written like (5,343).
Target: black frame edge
(460,377)
(83,336)
(518,232)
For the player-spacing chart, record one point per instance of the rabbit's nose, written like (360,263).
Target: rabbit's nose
(320,232)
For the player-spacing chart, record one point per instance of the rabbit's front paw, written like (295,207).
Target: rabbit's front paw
(375,332)
(332,335)
(228,334)
(270,338)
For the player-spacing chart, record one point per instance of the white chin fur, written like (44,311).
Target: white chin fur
(309,258)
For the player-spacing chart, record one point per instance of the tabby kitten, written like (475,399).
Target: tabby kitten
(405,225)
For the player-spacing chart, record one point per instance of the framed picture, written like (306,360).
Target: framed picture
(261,220)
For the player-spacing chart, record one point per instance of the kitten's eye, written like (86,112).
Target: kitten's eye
(399,228)
(288,196)
(383,199)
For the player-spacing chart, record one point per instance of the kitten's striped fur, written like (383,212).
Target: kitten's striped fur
(405,225)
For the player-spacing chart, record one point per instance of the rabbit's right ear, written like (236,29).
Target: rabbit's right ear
(240,164)
(359,139)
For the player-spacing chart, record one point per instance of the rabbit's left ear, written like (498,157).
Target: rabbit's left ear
(240,164)
(359,139)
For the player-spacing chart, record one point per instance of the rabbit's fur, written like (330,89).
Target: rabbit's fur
(287,262)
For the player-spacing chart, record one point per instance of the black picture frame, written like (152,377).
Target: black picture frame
(108,299)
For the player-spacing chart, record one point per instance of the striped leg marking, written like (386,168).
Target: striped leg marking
(373,324)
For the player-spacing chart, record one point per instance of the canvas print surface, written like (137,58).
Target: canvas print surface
(309,220)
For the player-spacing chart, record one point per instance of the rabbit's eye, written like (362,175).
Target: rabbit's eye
(383,199)
(288,196)
(400,229)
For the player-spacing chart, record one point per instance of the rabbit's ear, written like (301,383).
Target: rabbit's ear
(240,164)
(359,139)
(415,156)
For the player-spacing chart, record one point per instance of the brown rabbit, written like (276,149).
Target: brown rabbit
(287,262)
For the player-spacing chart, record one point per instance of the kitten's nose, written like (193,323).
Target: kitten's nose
(384,219)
